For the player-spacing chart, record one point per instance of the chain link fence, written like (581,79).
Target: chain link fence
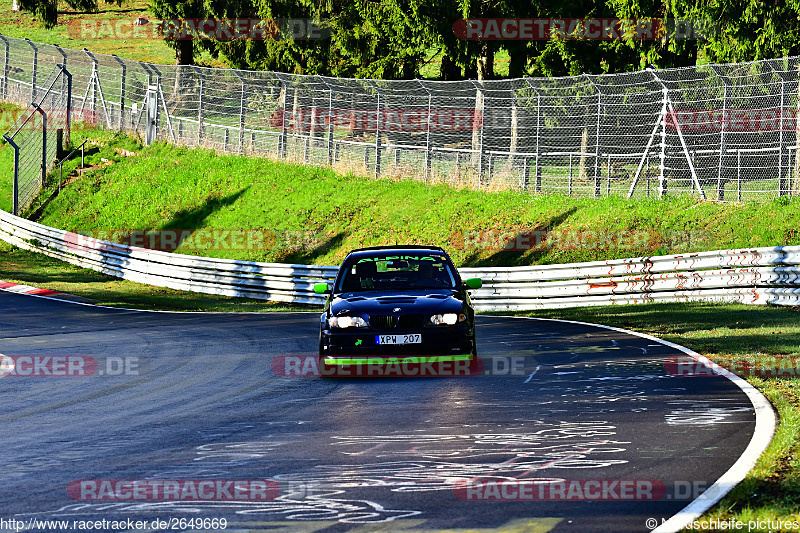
(36,135)
(721,132)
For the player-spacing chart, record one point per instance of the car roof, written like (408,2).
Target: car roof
(373,251)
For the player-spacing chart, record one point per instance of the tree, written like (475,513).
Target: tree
(47,10)
(179,10)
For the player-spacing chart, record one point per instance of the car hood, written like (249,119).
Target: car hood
(386,302)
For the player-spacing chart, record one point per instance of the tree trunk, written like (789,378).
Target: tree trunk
(409,68)
(518,58)
(486,63)
(184,53)
(449,70)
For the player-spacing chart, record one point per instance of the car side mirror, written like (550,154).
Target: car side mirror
(321,288)
(473,283)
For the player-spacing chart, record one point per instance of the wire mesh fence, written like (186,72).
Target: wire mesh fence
(721,132)
(36,134)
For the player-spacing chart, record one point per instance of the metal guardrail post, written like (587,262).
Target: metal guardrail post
(35,68)
(15,202)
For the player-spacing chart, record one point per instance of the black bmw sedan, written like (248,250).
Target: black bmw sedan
(396,305)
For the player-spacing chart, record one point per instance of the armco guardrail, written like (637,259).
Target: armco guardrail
(753,276)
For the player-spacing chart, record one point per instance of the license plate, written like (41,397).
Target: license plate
(411,338)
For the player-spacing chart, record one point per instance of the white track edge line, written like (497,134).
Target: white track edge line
(762,433)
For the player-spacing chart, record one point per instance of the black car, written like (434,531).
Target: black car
(396,304)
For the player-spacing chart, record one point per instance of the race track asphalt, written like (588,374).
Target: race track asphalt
(560,409)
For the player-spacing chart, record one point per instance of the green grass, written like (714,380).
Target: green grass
(314,215)
(68,33)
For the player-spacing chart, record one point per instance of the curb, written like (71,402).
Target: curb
(27,289)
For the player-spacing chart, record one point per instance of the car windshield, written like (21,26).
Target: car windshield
(397,272)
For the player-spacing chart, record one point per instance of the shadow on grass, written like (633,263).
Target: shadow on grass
(509,256)
(731,329)
(309,257)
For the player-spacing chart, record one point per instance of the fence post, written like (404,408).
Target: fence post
(44,141)
(5,68)
(35,67)
(63,66)
(480,94)
(15,204)
(65,72)
(781,178)
(427,131)
(723,137)
(242,108)
(282,138)
(331,122)
(160,95)
(97,88)
(200,105)
(378,130)
(122,91)
(538,172)
(783,182)
(738,175)
(597,176)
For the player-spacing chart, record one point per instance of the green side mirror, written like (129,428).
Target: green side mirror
(320,288)
(473,283)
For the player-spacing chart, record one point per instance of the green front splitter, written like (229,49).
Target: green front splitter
(397,360)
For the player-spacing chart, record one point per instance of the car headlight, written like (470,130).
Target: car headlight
(447,319)
(343,322)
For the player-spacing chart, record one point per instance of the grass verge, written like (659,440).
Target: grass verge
(78,30)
